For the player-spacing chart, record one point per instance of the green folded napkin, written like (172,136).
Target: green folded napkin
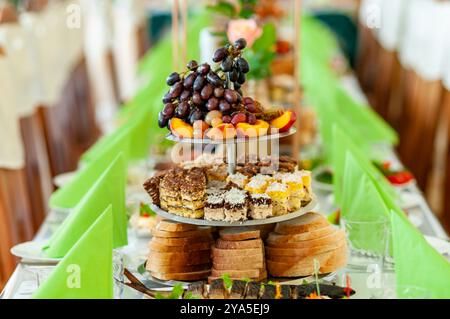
(418,264)
(86,272)
(108,190)
(370,125)
(71,194)
(363,208)
(341,144)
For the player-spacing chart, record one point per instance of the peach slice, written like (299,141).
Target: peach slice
(284,122)
(200,128)
(222,131)
(248,130)
(181,129)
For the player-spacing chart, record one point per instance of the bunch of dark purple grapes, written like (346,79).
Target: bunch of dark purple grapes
(202,89)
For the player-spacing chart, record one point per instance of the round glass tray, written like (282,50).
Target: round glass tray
(250,222)
(174,138)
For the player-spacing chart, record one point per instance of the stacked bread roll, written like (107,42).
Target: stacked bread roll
(239,253)
(305,245)
(179,252)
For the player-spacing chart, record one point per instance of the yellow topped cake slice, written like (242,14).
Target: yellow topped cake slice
(279,194)
(258,184)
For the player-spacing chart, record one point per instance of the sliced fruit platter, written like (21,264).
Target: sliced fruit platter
(207,102)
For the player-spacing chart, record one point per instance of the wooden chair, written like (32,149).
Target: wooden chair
(388,74)
(16,221)
(446,217)
(37,168)
(366,66)
(422,106)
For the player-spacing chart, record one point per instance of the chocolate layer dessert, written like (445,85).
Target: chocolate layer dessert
(235,205)
(260,206)
(214,207)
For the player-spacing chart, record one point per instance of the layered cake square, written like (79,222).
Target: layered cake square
(235,203)
(260,206)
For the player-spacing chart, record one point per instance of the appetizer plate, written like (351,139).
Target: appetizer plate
(174,138)
(31,251)
(250,222)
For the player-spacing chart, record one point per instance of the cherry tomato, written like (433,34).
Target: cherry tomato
(400,178)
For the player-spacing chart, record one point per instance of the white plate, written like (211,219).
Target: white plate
(174,138)
(31,251)
(251,222)
(441,245)
(62,179)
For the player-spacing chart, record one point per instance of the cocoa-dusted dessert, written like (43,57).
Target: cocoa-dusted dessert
(235,205)
(169,189)
(192,190)
(214,207)
(260,206)
(217,289)
(253,289)
(152,186)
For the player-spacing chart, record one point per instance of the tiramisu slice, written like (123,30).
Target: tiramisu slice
(260,206)
(235,205)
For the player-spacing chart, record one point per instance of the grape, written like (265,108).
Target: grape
(173,78)
(168,110)
(218,91)
(212,104)
(220,54)
(240,44)
(214,79)
(248,100)
(203,69)
(185,95)
(199,83)
(192,65)
(239,96)
(250,108)
(226,119)
(167,98)
(237,86)
(162,120)
(241,78)
(197,98)
(251,119)
(176,90)
(211,116)
(238,118)
(224,106)
(227,64)
(239,91)
(242,65)
(195,115)
(207,91)
(189,80)
(182,110)
(233,75)
(230,96)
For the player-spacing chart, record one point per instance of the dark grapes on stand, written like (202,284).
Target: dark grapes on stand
(173,78)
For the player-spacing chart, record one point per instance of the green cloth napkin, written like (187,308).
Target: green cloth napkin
(108,190)
(371,126)
(417,263)
(363,209)
(71,194)
(86,272)
(361,200)
(341,144)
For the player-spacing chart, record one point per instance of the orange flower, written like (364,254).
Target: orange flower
(244,28)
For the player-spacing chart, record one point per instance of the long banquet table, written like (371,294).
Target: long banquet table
(27,276)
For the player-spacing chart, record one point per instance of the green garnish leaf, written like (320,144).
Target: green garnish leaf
(227,281)
(141,268)
(145,210)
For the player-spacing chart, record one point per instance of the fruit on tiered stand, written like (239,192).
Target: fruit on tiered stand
(207,101)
